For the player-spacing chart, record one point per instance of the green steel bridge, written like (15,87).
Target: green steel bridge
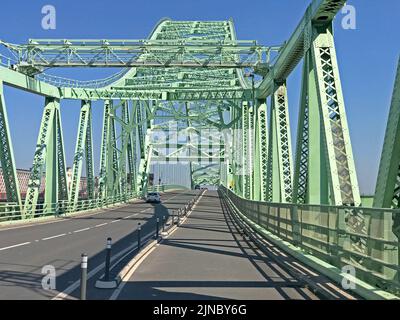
(192,92)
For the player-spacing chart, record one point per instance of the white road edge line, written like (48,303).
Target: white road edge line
(15,245)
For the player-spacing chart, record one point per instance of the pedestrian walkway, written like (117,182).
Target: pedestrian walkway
(207,258)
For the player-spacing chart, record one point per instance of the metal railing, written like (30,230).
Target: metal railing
(327,233)
(165,187)
(11,211)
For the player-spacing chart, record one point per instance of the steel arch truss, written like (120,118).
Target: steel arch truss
(214,89)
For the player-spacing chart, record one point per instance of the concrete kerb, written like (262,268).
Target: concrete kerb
(362,289)
(100,284)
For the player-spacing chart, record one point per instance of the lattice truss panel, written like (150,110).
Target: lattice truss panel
(279,170)
(334,115)
(260,141)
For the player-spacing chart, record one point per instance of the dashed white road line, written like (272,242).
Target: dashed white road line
(115,220)
(100,225)
(80,230)
(52,237)
(15,245)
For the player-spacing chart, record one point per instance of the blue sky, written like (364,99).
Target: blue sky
(367,58)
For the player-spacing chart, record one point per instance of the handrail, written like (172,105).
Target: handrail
(326,232)
(12,212)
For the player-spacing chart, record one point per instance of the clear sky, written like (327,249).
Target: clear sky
(367,58)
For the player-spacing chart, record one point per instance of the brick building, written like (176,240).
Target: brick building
(23,179)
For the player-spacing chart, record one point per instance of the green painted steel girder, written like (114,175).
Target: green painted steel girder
(49,157)
(83,149)
(325,170)
(179,52)
(260,151)
(318,12)
(7,160)
(193,73)
(387,191)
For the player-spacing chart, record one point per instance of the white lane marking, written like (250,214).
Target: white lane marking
(100,225)
(125,279)
(115,220)
(15,245)
(52,237)
(132,215)
(80,230)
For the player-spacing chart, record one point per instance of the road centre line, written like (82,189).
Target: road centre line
(53,237)
(15,245)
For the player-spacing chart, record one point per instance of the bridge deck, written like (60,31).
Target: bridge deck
(207,258)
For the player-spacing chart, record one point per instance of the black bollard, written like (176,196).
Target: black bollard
(108,259)
(157,227)
(84,260)
(139,237)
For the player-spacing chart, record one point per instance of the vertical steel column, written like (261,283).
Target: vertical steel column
(146,151)
(279,176)
(260,151)
(83,147)
(245,150)
(325,170)
(7,156)
(63,193)
(51,180)
(250,154)
(103,151)
(311,182)
(49,156)
(131,152)
(113,181)
(123,152)
(237,152)
(89,156)
(387,191)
